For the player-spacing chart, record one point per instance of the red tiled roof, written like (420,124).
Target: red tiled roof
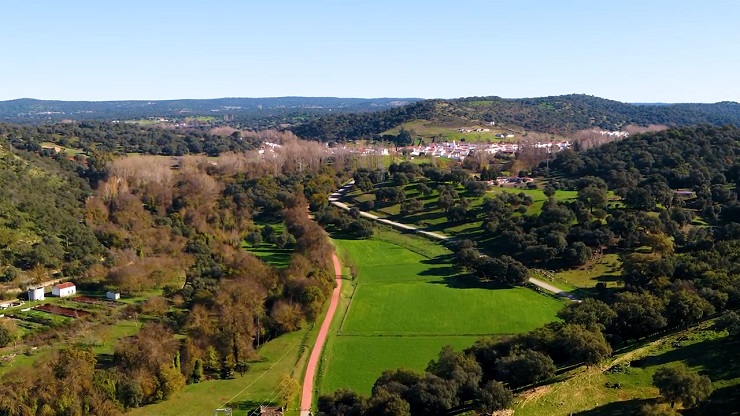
(64,285)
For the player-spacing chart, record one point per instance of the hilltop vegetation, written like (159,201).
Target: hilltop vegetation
(558,115)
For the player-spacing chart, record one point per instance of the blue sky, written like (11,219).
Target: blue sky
(635,51)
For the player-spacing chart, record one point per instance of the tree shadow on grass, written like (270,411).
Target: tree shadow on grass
(469,282)
(441,259)
(608,278)
(712,355)
(416,218)
(448,271)
(623,408)
(252,407)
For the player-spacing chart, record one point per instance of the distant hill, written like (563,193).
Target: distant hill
(31,110)
(558,114)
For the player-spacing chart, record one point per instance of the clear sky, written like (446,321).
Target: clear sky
(635,51)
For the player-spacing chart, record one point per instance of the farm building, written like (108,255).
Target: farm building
(113,295)
(36,293)
(64,289)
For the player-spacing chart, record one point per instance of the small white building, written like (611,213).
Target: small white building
(36,293)
(113,295)
(64,289)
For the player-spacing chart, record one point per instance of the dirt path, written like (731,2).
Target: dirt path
(313,360)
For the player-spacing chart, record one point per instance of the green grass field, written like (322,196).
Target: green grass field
(367,357)
(436,309)
(429,129)
(408,302)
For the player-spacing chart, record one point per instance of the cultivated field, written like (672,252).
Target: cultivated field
(407,302)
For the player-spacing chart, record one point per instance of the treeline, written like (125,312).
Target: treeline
(559,114)
(570,113)
(98,136)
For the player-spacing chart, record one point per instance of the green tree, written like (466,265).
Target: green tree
(583,345)
(524,368)
(8,333)
(678,384)
(588,313)
(254,238)
(241,367)
(687,308)
(494,396)
(593,197)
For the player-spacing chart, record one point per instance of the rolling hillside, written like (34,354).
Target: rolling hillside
(557,115)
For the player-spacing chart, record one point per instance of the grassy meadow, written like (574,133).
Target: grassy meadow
(448,132)
(407,302)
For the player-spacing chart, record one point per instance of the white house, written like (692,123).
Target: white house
(64,289)
(36,293)
(113,295)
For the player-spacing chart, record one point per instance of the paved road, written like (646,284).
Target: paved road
(313,359)
(334,199)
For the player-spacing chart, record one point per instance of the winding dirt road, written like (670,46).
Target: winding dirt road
(313,359)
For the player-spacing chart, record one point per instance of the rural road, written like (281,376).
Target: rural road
(334,200)
(313,359)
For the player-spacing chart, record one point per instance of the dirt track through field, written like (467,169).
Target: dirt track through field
(313,360)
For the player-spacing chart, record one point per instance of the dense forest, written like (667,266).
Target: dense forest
(560,114)
(680,256)
(145,226)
